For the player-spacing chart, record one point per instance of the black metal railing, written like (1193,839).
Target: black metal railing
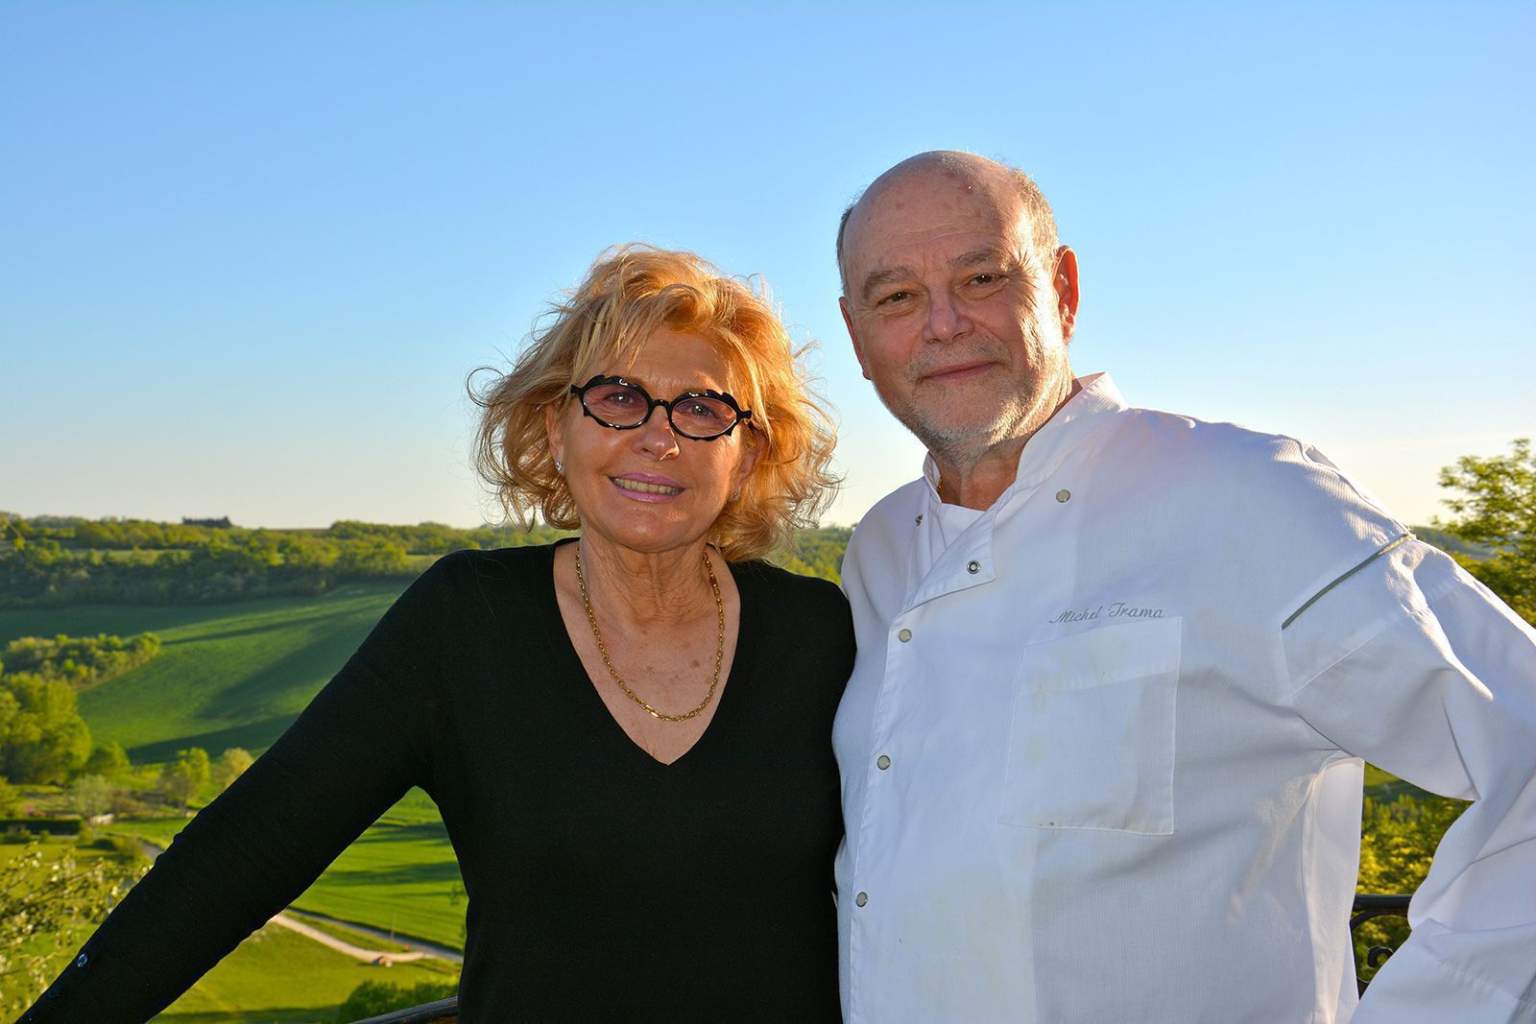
(1367,907)
(444,1011)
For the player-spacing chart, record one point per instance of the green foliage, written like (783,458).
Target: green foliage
(10,796)
(47,897)
(1496,508)
(71,561)
(108,760)
(127,850)
(80,661)
(372,998)
(42,736)
(817,552)
(1398,838)
(91,795)
(185,777)
(230,766)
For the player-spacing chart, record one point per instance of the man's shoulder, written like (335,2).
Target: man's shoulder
(1237,461)
(1251,497)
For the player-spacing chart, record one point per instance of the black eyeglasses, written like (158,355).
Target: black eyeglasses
(623,405)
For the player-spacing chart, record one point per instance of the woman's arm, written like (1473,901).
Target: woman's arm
(354,751)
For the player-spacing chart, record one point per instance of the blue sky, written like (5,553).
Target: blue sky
(249,252)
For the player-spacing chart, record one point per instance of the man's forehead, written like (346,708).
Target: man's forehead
(938,246)
(926,244)
(934,212)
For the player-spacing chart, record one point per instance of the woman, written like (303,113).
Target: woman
(628,734)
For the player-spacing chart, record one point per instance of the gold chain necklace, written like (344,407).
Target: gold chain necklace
(714,585)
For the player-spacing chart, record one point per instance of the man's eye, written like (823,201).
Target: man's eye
(986,278)
(894,297)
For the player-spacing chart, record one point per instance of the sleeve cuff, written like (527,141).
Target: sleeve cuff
(1414,987)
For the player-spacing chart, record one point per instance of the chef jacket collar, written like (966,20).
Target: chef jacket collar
(1083,414)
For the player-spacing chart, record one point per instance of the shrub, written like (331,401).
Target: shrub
(108,760)
(184,778)
(372,998)
(91,795)
(230,766)
(126,849)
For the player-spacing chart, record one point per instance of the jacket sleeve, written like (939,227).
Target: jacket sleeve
(353,752)
(1413,665)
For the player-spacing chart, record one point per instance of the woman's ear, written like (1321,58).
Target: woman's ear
(751,451)
(553,431)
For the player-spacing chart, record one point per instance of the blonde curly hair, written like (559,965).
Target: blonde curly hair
(629,293)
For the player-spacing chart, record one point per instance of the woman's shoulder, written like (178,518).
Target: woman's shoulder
(500,563)
(810,592)
(473,575)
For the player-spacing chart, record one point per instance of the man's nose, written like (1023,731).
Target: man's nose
(946,319)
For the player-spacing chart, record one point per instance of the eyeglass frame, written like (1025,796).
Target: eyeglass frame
(742,415)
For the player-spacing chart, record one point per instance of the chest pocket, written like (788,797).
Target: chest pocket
(1091,744)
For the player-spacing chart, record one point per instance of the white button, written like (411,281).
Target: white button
(973,567)
(882,762)
(80,961)
(861,899)
(904,635)
(1063,495)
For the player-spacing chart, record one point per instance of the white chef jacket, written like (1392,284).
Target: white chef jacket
(1101,751)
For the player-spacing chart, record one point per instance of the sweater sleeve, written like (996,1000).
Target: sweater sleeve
(360,744)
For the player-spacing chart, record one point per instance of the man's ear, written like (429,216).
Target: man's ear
(853,335)
(1065,284)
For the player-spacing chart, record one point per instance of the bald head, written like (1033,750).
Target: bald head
(950,169)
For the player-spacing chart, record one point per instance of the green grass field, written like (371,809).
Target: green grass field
(400,875)
(231,675)
(236,675)
(278,975)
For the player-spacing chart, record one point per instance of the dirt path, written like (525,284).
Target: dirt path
(372,956)
(416,950)
(413,945)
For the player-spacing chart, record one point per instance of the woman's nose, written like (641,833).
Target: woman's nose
(655,436)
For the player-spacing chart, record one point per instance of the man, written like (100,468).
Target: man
(1117,670)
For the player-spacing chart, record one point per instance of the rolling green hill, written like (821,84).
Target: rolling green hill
(229,675)
(236,674)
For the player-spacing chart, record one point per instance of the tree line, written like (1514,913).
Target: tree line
(60,561)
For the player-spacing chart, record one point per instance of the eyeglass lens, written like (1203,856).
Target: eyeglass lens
(625,406)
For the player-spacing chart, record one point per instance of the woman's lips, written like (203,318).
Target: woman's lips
(646,487)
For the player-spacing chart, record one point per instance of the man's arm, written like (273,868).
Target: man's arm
(1416,667)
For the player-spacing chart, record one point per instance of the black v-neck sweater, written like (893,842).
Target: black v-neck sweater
(602,884)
